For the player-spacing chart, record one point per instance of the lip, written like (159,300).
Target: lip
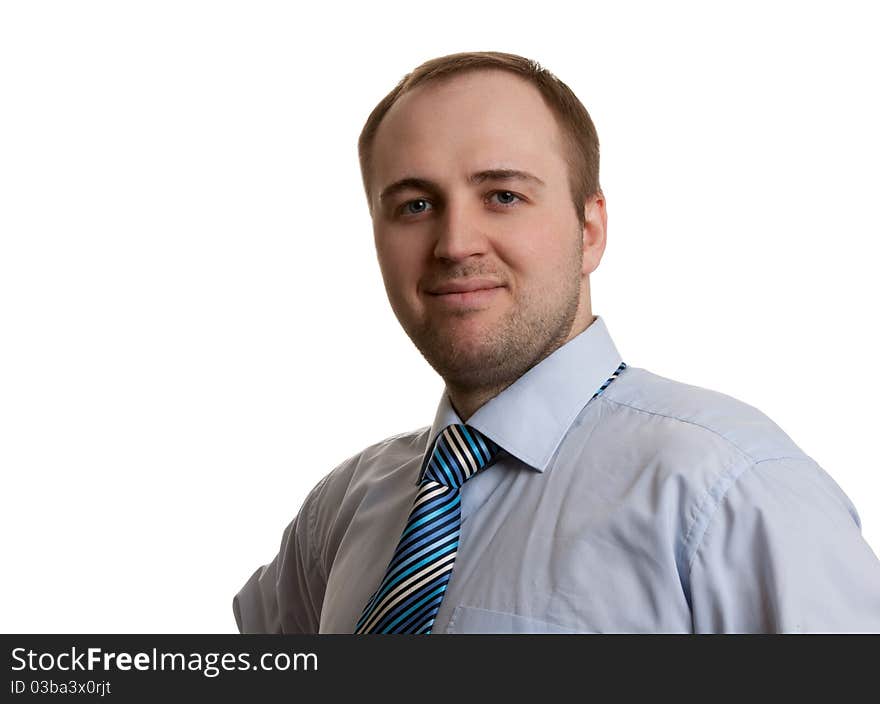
(469,296)
(465,286)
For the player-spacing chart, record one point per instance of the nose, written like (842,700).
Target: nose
(460,233)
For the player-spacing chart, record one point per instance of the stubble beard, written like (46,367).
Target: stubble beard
(498,356)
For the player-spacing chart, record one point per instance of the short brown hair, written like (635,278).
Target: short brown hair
(581,141)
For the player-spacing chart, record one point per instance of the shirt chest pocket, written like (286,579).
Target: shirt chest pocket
(471,619)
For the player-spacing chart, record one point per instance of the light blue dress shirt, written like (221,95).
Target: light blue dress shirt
(655,507)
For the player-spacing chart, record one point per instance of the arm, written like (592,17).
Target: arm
(286,595)
(783,553)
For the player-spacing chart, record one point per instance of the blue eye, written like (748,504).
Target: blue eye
(406,205)
(506,193)
(423,205)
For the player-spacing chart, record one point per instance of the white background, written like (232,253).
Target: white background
(193,327)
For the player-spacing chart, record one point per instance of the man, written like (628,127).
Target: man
(558,489)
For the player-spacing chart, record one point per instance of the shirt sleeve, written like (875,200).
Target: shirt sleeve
(783,553)
(286,595)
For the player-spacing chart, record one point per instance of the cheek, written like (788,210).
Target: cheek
(400,269)
(389,255)
(536,252)
(396,249)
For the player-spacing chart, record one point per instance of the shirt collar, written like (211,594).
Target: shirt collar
(530,417)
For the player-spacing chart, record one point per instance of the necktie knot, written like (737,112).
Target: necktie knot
(459,453)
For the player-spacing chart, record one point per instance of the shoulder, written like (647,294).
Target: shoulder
(727,458)
(381,458)
(344,485)
(703,418)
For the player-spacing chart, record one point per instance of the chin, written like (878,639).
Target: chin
(475,365)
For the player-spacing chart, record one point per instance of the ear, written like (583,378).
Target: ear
(595,224)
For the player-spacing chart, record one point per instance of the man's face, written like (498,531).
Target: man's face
(520,236)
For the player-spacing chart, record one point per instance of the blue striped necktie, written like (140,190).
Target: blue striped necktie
(409,597)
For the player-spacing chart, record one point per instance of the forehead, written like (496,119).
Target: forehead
(476,120)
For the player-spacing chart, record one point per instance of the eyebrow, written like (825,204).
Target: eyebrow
(417,183)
